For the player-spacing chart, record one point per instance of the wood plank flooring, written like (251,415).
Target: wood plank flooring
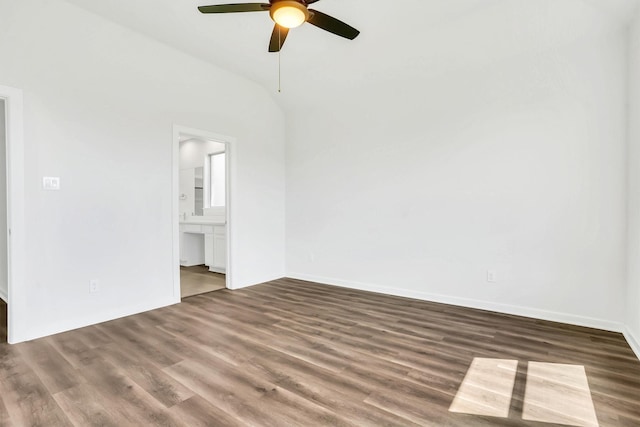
(294,353)
(198,280)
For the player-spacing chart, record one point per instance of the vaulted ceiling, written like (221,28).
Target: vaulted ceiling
(399,38)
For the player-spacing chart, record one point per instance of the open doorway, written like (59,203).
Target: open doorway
(4,265)
(13,306)
(203,201)
(3,322)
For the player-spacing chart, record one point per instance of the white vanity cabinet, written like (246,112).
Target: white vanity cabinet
(208,243)
(204,243)
(219,262)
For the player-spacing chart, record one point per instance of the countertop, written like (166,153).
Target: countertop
(203,221)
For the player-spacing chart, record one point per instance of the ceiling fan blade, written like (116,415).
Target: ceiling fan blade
(308,2)
(238,7)
(333,25)
(278,36)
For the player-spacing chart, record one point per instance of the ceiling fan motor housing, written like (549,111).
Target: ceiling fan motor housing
(289,13)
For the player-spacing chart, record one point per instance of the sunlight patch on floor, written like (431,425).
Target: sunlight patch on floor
(558,393)
(487,388)
(555,393)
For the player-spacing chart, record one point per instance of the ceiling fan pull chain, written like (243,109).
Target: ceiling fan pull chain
(279,62)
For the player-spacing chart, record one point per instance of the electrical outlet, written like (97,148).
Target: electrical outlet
(491,276)
(94,286)
(51,183)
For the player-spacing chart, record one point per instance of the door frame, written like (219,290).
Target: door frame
(230,148)
(16,305)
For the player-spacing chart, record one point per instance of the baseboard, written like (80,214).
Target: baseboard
(633,341)
(187,263)
(3,296)
(68,325)
(236,287)
(470,303)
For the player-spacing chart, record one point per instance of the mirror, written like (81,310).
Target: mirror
(202,178)
(198,188)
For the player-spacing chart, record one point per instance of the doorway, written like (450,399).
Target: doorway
(4,265)
(12,261)
(3,322)
(201,165)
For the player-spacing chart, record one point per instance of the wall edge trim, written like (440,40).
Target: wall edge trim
(633,341)
(530,312)
(71,324)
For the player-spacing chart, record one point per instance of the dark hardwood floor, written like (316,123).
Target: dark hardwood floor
(297,353)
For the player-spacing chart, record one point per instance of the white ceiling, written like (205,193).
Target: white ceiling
(399,38)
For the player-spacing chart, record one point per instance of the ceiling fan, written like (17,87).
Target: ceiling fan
(288,14)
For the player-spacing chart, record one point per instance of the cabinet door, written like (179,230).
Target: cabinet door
(220,248)
(209,250)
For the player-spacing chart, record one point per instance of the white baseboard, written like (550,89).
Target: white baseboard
(633,341)
(190,263)
(3,295)
(532,312)
(70,324)
(236,287)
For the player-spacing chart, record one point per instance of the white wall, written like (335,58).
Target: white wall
(193,152)
(419,183)
(3,204)
(100,105)
(633,260)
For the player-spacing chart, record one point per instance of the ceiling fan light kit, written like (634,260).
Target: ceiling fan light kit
(289,14)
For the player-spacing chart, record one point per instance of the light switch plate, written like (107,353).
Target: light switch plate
(491,276)
(51,183)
